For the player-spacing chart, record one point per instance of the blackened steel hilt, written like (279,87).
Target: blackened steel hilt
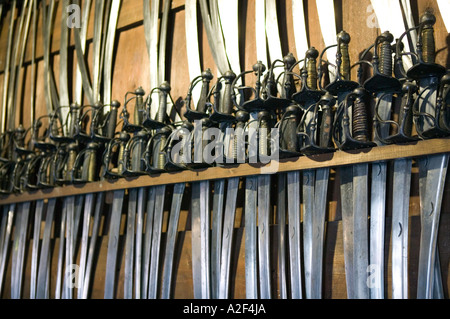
(133,160)
(60,126)
(161,116)
(402,127)
(103,125)
(342,82)
(223,104)
(289,146)
(85,167)
(180,136)
(382,80)
(425,51)
(113,159)
(317,138)
(443,103)
(203,103)
(286,87)
(358,135)
(256,103)
(155,154)
(139,111)
(308,93)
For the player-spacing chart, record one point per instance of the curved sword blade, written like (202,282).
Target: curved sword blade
(171,239)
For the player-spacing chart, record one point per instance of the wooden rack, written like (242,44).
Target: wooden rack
(335,159)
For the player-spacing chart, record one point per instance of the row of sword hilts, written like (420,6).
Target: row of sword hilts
(86,146)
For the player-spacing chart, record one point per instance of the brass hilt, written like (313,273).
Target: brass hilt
(72,150)
(426,44)
(311,68)
(122,140)
(343,56)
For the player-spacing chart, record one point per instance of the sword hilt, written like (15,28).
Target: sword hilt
(133,162)
(343,56)
(115,150)
(288,131)
(223,104)
(85,166)
(360,123)
(202,104)
(139,108)
(327,103)
(425,48)
(288,84)
(263,140)
(426,44)
(203,100)
(385,66)
(311,68)
(242,118)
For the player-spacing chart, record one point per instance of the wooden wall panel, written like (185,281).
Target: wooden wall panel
(131,69)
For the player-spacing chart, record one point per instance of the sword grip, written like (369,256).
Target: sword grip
(139,108)
(427,37)
(164,89)
(112,119)
(288,79)
(227,102)
(327,102)
(206,79)
(263,118)
(288,129)
(242,118)
(343,56)
(385,67)
(311,56)
(360,123)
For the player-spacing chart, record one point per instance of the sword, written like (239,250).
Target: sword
(382,85)
(205,271)
(429,123)
(354,183)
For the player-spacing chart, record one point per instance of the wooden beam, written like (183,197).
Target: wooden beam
(338,158)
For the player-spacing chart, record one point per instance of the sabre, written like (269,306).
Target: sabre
(314,133)
(353,179)
(429,123)
(382,85)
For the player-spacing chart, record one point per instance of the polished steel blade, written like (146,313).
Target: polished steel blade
(88,208)
(360,230)
(251,266)
(142,193)
(308,181)
(400,213)
(129,244)
(264,236)
(148,240)
(43,284)
(346,189)
(227,239)
(300,34)
(430,207)
(35,249)
(156,242)
(196,240)
(24,209)
(281,221)
(216,235)
(378,204)
(172,230)
(92,245)
(318,230)
(113,243)
(293,186)
(62,238)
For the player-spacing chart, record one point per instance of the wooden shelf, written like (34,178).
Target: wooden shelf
(336,159)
